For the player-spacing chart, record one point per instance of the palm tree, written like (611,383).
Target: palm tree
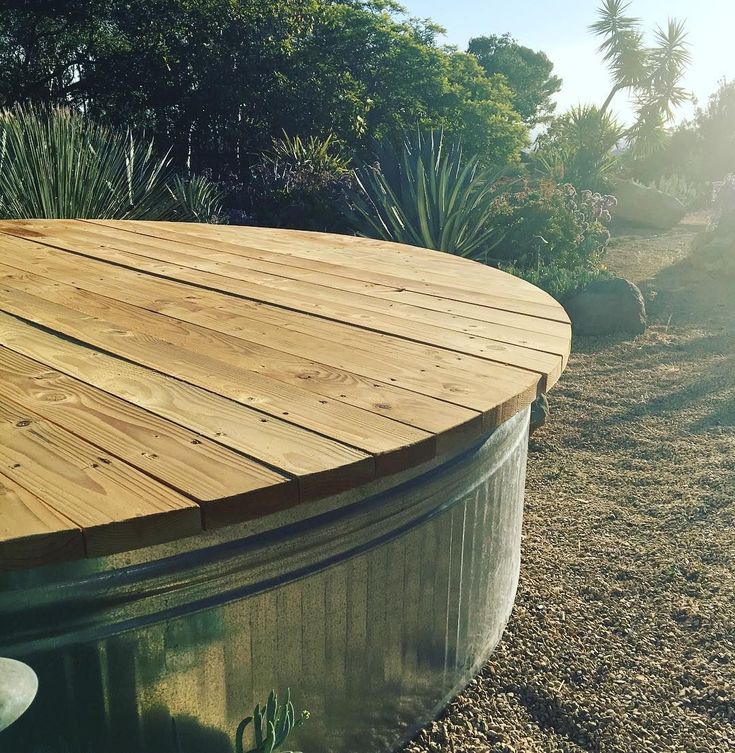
(622,46)
(652,74)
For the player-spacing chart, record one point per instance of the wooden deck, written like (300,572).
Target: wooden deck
(161,378)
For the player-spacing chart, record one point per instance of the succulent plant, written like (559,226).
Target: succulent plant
(272,724)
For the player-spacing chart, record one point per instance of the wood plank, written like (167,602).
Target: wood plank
(500,309)
(31,533)
(411,267)
(496,350)
(497,392)
(323,467)
(157,377)
(461,379)
(426,413)
(517,329)
(117,507)
(392,443)
(228,486)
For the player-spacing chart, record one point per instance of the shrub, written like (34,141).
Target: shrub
(554,236)
(426,193)
(577,149)
(300,184)
(57,163)
(691,195)
(724,200)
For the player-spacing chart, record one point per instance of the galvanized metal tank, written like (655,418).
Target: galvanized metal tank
(375,607)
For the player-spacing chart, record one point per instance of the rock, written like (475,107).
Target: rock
(607,306)
(715,255)
(539,412)
(641,205)
(17,690)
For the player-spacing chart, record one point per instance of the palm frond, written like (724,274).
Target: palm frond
(612,22)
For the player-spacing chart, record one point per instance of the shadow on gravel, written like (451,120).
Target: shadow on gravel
(573,724)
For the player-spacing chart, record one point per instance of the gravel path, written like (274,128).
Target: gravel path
(623,635)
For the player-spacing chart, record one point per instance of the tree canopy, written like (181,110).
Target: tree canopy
(653,74)
(527,72)
(217,80)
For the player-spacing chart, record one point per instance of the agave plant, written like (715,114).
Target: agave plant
(428,194)
(57,163)
(272,724)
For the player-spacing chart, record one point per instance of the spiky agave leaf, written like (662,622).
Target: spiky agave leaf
(319,153)
(427,193)
(57,163)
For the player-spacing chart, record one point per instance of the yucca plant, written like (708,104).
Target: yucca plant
(198,198)
(272,724)
(320,154)
(427,193)
(58,163)
(579,148)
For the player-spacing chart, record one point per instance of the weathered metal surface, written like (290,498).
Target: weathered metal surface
(374,606)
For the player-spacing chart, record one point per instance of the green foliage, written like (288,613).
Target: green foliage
(527,72)
(319,154)
(272,724)
(714,129)
(426,193)
(559,282)
(479,111)
(57,163)
(554,236)
(217,80)
(578,149)
(700,150)
(691,195)
(652,74)
(198,198)
(300,183)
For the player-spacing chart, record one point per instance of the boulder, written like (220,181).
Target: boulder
(539,413)
(715,254)
(607,306)
(649,207)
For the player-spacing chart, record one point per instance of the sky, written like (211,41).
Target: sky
(559,28)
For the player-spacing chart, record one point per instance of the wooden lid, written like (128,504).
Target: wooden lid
(159,378)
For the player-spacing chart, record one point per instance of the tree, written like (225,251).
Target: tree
(217,80)
(527,73)
(651,74)
(700,150)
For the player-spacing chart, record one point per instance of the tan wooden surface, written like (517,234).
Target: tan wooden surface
(157,379)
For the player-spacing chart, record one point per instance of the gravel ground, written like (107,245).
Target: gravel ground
(623,635)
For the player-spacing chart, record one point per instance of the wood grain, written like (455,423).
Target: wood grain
(328,289)
(224,483)
(402,405)
(161,378)
(503,348)
(322,466)
(293,405)
(460,374)
(31,533)
(117,507)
